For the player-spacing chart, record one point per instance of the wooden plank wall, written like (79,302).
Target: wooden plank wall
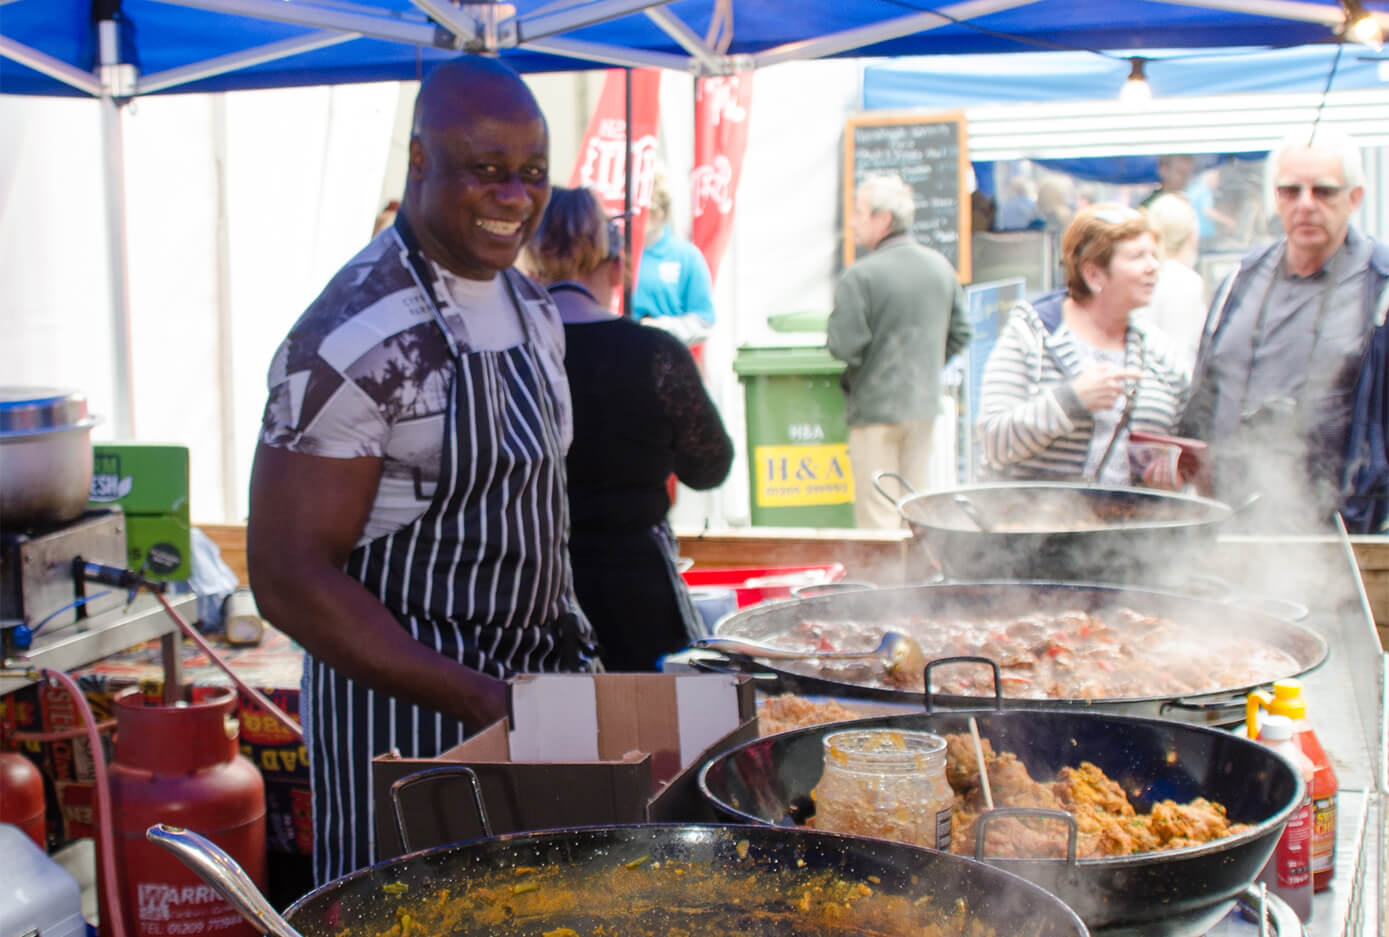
(881,557)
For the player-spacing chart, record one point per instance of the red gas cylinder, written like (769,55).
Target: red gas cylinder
(180,765)
(21,796)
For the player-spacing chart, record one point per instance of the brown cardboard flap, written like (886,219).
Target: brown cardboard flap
(637,713)
(647,735)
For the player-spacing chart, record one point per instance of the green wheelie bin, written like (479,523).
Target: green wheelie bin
(797,441)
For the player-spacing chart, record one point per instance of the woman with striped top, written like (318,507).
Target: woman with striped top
(1073,373)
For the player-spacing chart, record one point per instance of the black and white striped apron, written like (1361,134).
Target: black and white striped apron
(481,577)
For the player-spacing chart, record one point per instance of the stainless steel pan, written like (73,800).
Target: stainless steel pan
(1052,530)
(712,880)
(876,610)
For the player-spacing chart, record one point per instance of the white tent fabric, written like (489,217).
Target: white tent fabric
(240,207)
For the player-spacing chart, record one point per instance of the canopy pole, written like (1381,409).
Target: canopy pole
(113,76)
(627,192)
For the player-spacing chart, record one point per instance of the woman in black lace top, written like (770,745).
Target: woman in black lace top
(641,413)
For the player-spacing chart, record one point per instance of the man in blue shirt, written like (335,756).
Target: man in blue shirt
(673,291)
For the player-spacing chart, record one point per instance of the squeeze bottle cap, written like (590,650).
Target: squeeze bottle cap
(1285,700)
(1276,729)
(1288,699)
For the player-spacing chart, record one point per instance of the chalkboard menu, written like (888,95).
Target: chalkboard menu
(930,151)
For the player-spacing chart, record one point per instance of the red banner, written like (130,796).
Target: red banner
(601,166)
(722,107)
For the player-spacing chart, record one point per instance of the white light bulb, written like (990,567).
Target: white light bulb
(1365,30)
(1135,93)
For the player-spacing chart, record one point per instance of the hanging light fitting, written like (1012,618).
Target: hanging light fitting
(1361,25)
(1136,91)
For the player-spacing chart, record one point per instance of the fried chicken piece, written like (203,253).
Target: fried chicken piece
(1199,821)
(961,767)
(1087,788)
(1012,786)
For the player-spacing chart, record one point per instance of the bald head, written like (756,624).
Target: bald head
(466,88)
(479,174)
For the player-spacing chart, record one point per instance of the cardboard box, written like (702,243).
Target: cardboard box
(150,484)
(578,750)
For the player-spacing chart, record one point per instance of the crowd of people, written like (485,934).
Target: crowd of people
(462,469)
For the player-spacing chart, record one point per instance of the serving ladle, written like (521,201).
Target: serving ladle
(225,875)
(896,650)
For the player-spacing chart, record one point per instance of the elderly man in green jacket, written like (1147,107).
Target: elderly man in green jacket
(899,315)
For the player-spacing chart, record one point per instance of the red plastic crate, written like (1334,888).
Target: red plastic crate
(753,584)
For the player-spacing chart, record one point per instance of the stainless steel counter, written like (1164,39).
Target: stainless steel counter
(101,636)
(1346,699)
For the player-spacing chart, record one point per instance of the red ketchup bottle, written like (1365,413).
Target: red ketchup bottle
(1288,873)
(1288,700)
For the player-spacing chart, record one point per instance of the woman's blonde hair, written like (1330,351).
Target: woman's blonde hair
(1090,239)
(1175,221)
(574,237)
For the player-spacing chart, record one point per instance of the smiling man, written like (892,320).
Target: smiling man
(408,520)
(1275,381)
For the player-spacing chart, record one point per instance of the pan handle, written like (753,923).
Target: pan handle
(998,681)
(906,485)
(225,875)
(1210,707)
(988,816)
(711,662)
(1286,609)
(443,773)
(811,590)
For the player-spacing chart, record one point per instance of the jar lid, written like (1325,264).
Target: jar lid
(882,749)
(29,410)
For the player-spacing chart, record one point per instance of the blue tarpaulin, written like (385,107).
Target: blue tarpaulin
(48,46)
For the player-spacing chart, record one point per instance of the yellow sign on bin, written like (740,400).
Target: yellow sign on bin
(792,476)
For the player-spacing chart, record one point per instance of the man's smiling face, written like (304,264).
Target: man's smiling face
(484,182)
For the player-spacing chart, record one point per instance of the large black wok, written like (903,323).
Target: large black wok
(1174,893)
(711,880)
(967,601)
(1055,530)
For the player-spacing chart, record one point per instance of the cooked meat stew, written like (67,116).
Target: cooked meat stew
(1112,653)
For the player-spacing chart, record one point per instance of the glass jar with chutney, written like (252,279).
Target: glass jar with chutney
(887,783)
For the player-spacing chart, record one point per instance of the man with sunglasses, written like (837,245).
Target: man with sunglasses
(1275,385)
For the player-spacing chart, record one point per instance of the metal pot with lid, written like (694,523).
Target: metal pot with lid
(45,456)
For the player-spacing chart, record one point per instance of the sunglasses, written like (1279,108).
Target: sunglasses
(614,238)
(1292,191)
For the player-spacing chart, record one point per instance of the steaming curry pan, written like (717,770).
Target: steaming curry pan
(712,880)
(1053,530)
(1175,893)
(873,609)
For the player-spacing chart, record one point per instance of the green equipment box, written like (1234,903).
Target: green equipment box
(150,484)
